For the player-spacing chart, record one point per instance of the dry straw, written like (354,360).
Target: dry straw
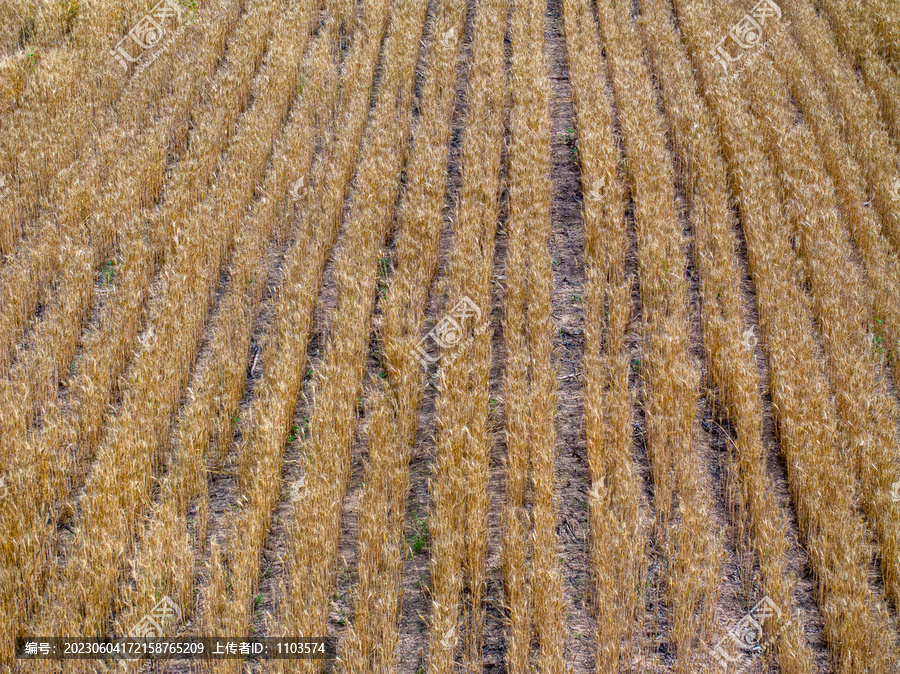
(118,490)
(856,619)
(53,461)
(843,310)
(164,564)
(41,139)
(371,644)
(860,124)
(732,362)
(459,485)
(618,564)
(883,16)
(881,266)
(691,541)
(110,204)
(317,514)
(858,40)
(68,241)
(227,609)
(534,591)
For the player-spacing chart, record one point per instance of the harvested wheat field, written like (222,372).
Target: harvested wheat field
(466,335)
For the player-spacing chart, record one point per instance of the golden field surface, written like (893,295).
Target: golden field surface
(466,335)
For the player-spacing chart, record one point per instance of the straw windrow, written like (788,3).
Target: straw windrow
(843,314)
(260,454)
(372,642)
(134,446)
(857,112)
(617,528)
(459,484)
(881,265)
(858,40)
(725,322)
(535,591)
(163,565)
(856,620)
(317,513)
(687,532)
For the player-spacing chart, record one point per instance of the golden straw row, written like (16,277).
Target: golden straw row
(82,236)
(41,58)
(617,529)
(164,564)
(857,40)
(822,487)
(884,16)
(106,351)
(26,23)
(373,636)
(345,11)
(857,111)
(118,490)
(48,25)
(41,141)
(880,315)
(514,556)
(459,486)
(34,377)
(727,339)
(692,545)
(57,34)
(881,266)
(54,238)
(35,46)
(42,144)
(843,309)
(43,469)
(227,610)
(534,591)
(317,512)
